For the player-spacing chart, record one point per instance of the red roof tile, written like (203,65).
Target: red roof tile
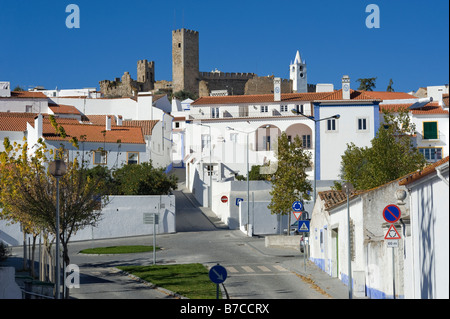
(146,125)
(420,174)
(64,109)
(28,95)
(430,108)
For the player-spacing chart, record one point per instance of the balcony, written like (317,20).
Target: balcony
(253,111)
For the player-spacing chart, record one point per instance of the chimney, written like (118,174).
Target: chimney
(277,89)
(38,125)
(108,123)
(119,120)
(346,87)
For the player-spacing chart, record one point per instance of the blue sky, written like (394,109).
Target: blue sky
(411,46)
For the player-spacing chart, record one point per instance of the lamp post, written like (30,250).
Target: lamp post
(58,169)
(348,189)
(337,116)
(248,173)
(210,165)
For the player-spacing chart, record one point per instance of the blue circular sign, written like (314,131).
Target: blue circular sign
(391,213)
(297,206)
(217,274)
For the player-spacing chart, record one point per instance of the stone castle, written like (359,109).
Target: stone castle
(187,76)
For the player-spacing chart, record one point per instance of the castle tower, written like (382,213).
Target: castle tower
(185,60)
(298,75)
(146,74)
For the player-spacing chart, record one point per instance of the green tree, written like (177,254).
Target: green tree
(390,156)
(183,95)
(254,175)
(143,179)
(366,84)
(289,182)
(390,88)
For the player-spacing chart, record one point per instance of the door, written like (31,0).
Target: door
(335,252)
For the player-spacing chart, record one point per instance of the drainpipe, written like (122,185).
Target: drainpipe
(439,172)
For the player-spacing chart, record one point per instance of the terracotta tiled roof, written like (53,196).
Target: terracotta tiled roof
(64,109)
(332,197)
(430,108)
(146,125)
(98,119)
(15,122)
(259,98)
(389,95)
(420,174)
(354,95)
(28,95)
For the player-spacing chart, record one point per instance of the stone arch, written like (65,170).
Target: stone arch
(266,136)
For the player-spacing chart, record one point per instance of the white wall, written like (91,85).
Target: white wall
(122,217)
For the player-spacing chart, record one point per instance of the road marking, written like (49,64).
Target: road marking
(247,269)
(231,269)
(264,268)
(279,268)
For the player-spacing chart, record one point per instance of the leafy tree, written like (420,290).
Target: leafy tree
(390,156)
(390,88)
(183,95)
(289,182)
(366,84)
(28,194)
(254,175)
(143,179)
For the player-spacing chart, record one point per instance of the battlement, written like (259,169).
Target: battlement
(185,31)
(225,75)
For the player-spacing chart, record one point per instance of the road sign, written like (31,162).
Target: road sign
(217,274)
(303,226)
(224,199)
(391,213)
(151,218)
(238,200)
(297,206)
(297,215)
(392,243)
(392,233)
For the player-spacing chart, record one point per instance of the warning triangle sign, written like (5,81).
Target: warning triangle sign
(304,227)
(297,214)
(392,233)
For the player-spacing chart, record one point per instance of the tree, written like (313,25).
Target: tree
(183,95)
(390,156)
(289,182)
(28,193)
(143,179)
(390,88)
(254,175)
(366,84)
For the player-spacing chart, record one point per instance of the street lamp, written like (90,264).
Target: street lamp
(248,172)
(348,189)
(58,169)
(337,116)
(210,165)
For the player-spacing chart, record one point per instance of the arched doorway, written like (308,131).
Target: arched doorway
(303,131)
(266,137)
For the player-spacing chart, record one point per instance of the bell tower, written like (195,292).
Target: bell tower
(298,75)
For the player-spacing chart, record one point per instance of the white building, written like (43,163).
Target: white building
(428,200)
(91,93)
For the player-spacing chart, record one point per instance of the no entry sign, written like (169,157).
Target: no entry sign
(391,213)
(224,199)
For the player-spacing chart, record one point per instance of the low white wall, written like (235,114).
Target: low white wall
(122,217)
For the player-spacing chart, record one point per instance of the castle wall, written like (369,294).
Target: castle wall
(264,85)
(185,60)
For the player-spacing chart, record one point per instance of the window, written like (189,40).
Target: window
(215,112)
(132,158)
(283,108)
(362,124)
(331,125)
(100,158)
(264,109)
(306,140)
(431,154)
(430,131)
(299,108)
(233,137)
(177,124)
(205,141)
(28,109)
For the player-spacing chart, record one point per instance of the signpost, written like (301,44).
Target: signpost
(224,199)
(297,206)
(238,200)
(391,214)
(152,218)
(297,215)
(217,274)
(303,226)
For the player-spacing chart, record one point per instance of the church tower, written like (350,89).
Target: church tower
(298,75)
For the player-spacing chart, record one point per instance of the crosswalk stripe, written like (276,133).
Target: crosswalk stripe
(264,268)
(247,269)
(232,269)
(279,268)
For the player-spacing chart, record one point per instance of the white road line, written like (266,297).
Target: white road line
(247,269)
(279,268)
(231,269)
(264,268)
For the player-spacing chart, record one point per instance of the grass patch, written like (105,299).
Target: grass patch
(189,280)
(119,250)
